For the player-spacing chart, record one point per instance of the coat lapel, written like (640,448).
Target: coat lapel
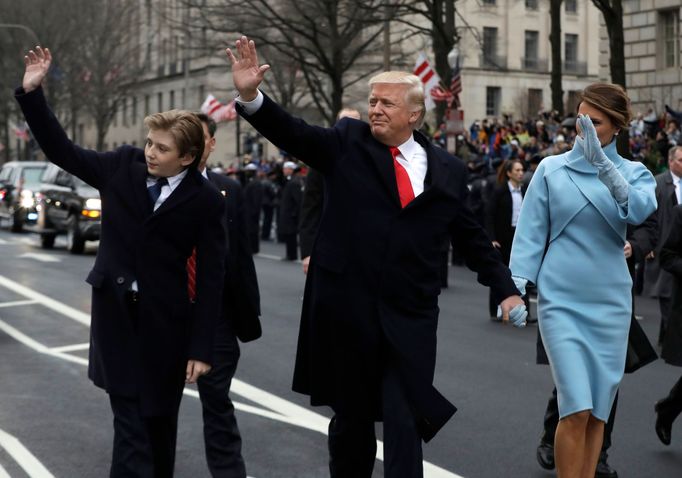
(383,162)
(437,171)
(138,176)
(188,188)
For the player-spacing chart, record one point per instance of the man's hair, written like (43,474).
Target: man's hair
(210,122)
(185,128)
(414,96)
(610,99)
(672,151)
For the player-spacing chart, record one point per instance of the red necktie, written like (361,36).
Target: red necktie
(192,275)
(405,190)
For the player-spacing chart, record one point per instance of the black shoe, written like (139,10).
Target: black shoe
(603,468)
(664,422)
(545,455)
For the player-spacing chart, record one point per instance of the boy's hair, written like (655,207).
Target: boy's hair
(185,128)
(210,122)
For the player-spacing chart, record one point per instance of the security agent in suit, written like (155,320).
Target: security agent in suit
(668,196)
(290,209)
(239,319)
(146,340)
(367,341)
(641,240)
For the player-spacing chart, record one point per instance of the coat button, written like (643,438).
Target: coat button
(120,280)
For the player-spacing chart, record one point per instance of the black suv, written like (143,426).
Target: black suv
(19,181)
(66,205)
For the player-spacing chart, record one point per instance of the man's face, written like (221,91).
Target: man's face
(287,171)
(390,118)
(676,163)
(516,173)
(209,146)
(162,155)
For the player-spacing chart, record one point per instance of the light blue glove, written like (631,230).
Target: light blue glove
(520,284)
(594,154)
(517,316)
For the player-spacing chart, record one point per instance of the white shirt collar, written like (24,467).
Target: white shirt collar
(173,181)
(512,188)
(676,179)
(407,148)
(204,173)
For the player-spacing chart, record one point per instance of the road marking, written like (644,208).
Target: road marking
(281,410)
(41,257)
(71,348)
(17,303)
(3,242)
(48,302)
(3,473)
(23,457)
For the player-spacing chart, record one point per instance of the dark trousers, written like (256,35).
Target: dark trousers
(291,241)
(352,440)
(144,447)
(266,229)
(254,242)
(552,420)
(665,304)
(221,434)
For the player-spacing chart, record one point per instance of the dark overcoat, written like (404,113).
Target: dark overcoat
(499,210)
(662,283)
(371,294)
(143,353)
(311,210)
(290,206)
(671,261)
(241,297)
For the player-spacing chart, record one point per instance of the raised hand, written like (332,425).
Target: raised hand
(247,74)
(591,144)
(37,65)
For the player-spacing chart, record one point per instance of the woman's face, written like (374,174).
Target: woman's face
(516,173)
(605,128)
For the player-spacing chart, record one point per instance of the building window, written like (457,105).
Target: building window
(572,101)
(531,4)
(171,100)
(202,95)
(124,111)
(159,102)
(571,6)
(489,46)
(571,52)
(184,99)
(668,39)
(146,105)
(492,100)
(530,61)
(534,101)
(489,2)
(133,112)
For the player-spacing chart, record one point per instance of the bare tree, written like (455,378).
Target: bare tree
(323,44)
(555,41)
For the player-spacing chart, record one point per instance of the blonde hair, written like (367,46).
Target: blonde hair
(186,129)
(610,99)
(415,91)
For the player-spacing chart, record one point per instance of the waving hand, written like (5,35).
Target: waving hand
(37,65)
(247,74)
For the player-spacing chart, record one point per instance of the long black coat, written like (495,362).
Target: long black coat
(241,298)
(145,354)
(290,206)
(311,210)
(667,200)
(499,210)
(371,294)
(671,261)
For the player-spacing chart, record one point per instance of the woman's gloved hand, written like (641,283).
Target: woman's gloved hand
(594,154)
(517,316)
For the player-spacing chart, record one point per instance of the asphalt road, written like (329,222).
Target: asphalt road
(54,422)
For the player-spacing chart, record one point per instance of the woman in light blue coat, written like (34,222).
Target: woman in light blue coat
(569,242)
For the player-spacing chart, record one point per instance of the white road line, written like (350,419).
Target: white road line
(26,240)
(71,348)
(3,473)
(284,410)
(2,243)
(23,457)
(48,302)
(40,257)
(17,303)
(269,256)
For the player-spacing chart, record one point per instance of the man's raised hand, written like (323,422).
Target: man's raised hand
(37,65)
(246,73)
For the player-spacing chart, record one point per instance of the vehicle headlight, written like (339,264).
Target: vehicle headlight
(93,204)
(27,200)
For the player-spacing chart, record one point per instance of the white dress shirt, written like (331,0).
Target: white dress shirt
(517,199)
(412,156)
(168,188)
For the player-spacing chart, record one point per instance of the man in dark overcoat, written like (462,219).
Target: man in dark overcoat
(146,337)
(367,340)
(239,319)
(290,209)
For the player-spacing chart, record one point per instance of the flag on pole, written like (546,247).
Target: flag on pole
(219,111)
(21,132)
(429,78)
(456,85)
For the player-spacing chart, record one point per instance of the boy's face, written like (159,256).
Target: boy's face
(162,155)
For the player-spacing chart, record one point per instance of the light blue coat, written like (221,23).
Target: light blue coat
(569,242)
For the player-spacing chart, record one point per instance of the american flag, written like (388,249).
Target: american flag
(219,111)
(456,86)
